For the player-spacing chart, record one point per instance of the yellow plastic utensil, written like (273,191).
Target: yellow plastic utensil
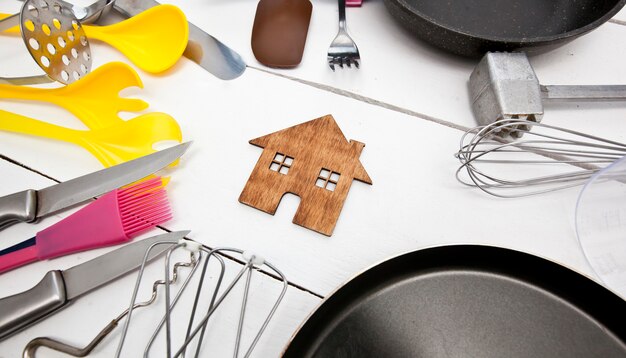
(94,99)
(154,40)
(113,145)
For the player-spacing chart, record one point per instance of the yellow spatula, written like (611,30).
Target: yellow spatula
(94,99)
(113,145)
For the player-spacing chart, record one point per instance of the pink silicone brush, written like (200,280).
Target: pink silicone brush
(112,219)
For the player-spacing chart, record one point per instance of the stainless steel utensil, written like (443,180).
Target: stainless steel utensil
(196,326)
(202,48)
(343,50)
(549,158)
(58,288)
(85,14)
(29,205)
(55,39)
(505,86)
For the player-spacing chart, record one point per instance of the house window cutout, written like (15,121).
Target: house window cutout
(327,179)
(281,163)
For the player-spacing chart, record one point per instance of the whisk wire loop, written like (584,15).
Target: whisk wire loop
(483,148)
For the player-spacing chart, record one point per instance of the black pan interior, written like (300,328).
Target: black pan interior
(513,19)
(473,27)
(466,301)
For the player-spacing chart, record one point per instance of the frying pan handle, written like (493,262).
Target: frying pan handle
(17,207)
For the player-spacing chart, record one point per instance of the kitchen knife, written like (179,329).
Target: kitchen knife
(29,205)
(202,48)
(58,288)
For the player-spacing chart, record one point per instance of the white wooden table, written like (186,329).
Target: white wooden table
(408,103)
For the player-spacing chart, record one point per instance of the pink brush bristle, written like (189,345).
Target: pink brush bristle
(143,206)
(113,219)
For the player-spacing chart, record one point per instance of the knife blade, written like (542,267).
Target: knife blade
(202,48)
(59,288)
(29,205)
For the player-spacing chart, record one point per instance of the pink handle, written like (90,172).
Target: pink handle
(353,2)
(96,225)
(18,258)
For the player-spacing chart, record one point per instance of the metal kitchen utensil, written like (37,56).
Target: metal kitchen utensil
(144,39)
(95,99)
(58,288)
(30,205)
(601,224)
(343,50)
(84,14)
(465,301)
(202,48)
(55,39)
(111,145)
(505,86)
(549,158)
(197,322)
(473,27)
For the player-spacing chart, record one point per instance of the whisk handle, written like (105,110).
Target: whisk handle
(584,93)
(23,309)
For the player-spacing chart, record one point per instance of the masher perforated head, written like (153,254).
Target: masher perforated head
(55,39)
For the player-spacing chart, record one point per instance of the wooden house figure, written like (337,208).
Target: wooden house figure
(312,160)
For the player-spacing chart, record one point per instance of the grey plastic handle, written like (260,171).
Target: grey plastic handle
(23,309)
(16,207)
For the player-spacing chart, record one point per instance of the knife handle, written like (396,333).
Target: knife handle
(23,309)
(16,207)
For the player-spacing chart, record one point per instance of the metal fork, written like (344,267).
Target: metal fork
(343,50)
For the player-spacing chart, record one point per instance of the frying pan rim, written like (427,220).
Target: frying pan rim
(397,257)
(517,40)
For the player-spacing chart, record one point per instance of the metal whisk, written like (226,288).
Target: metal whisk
(548,158)
(197,324)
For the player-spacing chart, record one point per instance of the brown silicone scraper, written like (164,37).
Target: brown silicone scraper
(279,32)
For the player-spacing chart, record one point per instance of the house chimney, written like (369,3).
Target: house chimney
(357,146)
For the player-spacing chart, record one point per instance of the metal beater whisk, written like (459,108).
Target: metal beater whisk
(197,324)
(548,158)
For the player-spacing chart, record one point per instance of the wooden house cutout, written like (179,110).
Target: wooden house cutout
(312,160)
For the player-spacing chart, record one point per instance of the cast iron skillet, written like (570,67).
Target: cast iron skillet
(473,27)
(466,301)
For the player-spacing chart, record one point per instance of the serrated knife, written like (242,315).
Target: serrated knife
(202,48)
(30,205)
(58,288)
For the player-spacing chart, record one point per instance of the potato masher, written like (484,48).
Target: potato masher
(143,38)
(54,38)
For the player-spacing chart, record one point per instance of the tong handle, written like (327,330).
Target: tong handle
(21,206)
(23,309)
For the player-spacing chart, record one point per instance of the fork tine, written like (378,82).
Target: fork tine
(356,63)
(348,62)
(331,64)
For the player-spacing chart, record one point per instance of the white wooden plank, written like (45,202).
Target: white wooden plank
(403,71)
(88,314)
(414,202)
(84,318)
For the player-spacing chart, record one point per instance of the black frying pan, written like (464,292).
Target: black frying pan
(466,301)
(473,27)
